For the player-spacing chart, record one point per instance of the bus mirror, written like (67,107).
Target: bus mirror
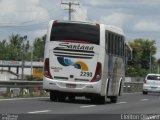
(128,51)
(129,56)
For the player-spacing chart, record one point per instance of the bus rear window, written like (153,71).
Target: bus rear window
(76,32)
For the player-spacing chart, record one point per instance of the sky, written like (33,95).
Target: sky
(138,18)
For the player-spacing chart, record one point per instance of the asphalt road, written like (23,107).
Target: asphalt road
(44,109)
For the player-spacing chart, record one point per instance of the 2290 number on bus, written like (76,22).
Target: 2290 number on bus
(86,74)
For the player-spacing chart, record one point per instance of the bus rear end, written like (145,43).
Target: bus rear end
(71,61)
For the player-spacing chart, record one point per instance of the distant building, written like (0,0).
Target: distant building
(6,75)
(30,68)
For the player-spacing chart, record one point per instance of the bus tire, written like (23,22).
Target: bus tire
(98,100)
(145,92)
(53,96)
(102,100)
(113,99)
(71,98)
(120,87)
(61,97)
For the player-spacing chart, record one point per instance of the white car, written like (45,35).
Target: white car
(151,83)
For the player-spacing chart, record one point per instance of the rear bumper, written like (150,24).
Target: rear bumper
(80,87)
(149,88)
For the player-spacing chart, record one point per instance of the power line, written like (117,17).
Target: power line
(70,9)
(22,24)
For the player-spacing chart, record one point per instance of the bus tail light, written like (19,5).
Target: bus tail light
(55,22)
(46,69)
(98,73)
(145,81)
(97,24)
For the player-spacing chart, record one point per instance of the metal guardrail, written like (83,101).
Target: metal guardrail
(20,84)
(15,88)
(133,87)
(128,86)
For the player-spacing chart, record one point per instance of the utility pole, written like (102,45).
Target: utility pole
(70,9)
(31,59)
(23,61)
(150,65)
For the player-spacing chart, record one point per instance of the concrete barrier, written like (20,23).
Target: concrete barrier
(130,87)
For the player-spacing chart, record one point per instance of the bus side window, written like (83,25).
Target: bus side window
(118,48)
(107,41)
(123,46)
(113,43)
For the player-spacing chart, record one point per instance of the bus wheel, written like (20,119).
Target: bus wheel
(113,99)
(99,100)
(61,97)
(120,87)
(102,99)
(145,92)
(53,96)
(71,98)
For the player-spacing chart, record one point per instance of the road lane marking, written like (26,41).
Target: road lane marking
(87,106)
(144,99)
(42,111)
(123,102)
(131,93)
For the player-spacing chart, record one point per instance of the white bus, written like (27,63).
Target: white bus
(84,59)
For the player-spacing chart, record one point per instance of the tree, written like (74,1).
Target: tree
(15,49)
(158,62)
(38,48)
(3,46)
(142,50)
(18,48)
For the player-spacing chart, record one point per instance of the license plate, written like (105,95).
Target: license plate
(71,85)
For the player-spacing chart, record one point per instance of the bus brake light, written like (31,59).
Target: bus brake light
(98,73)
(46,69)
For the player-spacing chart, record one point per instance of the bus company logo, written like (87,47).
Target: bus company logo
(70,50)
(75,46)
(67,62)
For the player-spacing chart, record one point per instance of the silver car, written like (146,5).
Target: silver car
(151,83)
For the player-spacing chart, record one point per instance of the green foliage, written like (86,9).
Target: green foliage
(18,48)
(31,78)
(142,50)
(38,45)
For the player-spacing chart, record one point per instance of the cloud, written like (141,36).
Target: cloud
(14,12)
(149,25)
(80,14)
(34,34)
(39,33)
(120,2)
(117,19)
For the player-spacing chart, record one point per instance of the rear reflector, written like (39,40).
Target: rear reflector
(97,24)
(98,73)
(46,69)
(55,22)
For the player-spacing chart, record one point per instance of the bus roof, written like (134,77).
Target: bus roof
(114,29)
(111,28)
(82,22)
